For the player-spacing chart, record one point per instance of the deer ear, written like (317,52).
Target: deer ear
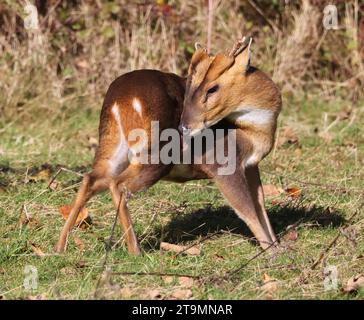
(242,58)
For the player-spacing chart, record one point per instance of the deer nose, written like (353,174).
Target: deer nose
(184,129)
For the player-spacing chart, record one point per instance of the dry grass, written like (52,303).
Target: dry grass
(79,49)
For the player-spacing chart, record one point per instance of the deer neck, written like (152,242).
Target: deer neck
(250,116)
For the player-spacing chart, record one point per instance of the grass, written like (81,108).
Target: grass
(327,168)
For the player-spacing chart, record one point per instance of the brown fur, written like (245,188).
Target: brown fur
(161,95)
(239,85)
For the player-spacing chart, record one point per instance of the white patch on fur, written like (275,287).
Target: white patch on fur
(252,115)
(120,155)
(137,106)
(252,160)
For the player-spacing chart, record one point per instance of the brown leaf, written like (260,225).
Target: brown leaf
(291,235)
(186,282)
(38,251)
(194,251)
(54,185)
(354,284)
(269,285)
(65,212)
(42,175)
(79,243)
(271,190)
(182,294)
(294,192)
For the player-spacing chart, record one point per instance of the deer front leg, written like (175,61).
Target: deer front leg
(120,202)
(236,191)
(256,190)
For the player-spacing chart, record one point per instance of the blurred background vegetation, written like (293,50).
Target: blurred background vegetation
(82,45)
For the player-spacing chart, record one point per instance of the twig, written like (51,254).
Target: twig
(209,24)
(108,247)
(325,186)
(160,274)
(271,23)
(333,242)
(62,169)
(198,242)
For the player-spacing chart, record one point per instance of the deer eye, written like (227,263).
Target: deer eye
(212,90)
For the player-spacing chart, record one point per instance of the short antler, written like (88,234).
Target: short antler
(239,46)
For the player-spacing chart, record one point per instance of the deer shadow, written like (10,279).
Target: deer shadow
(203,222)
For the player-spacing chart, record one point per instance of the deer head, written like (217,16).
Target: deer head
(215,86)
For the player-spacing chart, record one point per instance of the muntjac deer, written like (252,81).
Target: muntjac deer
(218,87)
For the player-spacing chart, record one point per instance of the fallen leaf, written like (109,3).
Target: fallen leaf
(2,271)
(182,294)
(294,192)
(54,185)
(186,282)
(271,190)
(79,243)
(269,285)
(65,212)
(194,251)
(354,284)
(38,251)
(42,175)
(291,235)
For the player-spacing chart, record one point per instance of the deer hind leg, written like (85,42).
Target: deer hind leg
(120,199)
(236,191)
(134,178)
(91,184)
(256,190)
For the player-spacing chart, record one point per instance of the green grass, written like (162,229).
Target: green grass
(329,173)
